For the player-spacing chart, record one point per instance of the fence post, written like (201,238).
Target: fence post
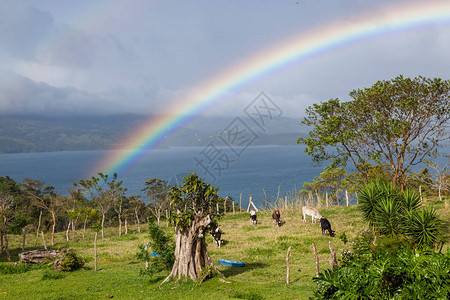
(225,205)
(316,258)
(346,197)
(333,260)
(240,203)
(287,264)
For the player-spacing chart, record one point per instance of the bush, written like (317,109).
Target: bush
(389,270)
(161,244)
(392,212)
(71,262)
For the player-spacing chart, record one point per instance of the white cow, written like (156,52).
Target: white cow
(310,211)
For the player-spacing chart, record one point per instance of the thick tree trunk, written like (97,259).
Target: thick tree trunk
(40,256)
(191,254)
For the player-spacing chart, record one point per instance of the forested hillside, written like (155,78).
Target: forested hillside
(25,133)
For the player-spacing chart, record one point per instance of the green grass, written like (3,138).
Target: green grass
(262,247)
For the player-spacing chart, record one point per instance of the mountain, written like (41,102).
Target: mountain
(32,133)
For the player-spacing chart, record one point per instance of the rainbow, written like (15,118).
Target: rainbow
(294,50)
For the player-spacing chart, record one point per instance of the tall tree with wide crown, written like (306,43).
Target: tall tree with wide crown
(399,123)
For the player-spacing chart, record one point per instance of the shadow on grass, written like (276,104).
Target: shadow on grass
(233,271)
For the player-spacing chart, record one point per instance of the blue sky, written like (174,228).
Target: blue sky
(137,56)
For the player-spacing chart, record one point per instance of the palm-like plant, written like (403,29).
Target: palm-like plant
(423,228)
(387,218)
(371,196)
(392,212)
(410,201)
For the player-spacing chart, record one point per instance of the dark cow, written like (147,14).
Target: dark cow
(326,226)
(253,217)
(276,217)
(217,236)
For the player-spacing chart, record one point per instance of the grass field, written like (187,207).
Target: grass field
(262,247)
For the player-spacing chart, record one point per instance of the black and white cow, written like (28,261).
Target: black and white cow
(326,226)
(253,218)
(217,236)
(276,217)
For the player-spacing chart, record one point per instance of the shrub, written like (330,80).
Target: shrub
(389,270)
(161,244)
(391,212)
(71,262)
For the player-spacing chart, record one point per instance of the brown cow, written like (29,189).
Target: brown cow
(276,217)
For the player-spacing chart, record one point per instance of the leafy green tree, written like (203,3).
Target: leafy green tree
(72,205)
(157,192)
(137,206)
(191,205)
(330,181)
(399,123)
(105,193)
(88,215)
(50,201)
(10,195)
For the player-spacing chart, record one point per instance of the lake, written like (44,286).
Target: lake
(276,169)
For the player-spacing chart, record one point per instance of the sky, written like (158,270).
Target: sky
(96,57)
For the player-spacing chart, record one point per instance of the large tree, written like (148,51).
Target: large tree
(104,192)
(191,203)
(50,201)
(9,194)
(157,192)
(399,123)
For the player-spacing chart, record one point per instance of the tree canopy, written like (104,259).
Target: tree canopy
(397,123)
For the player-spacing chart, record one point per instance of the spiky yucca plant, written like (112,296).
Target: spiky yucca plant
(388,217)
(423,228)
(392,212)
(370,199)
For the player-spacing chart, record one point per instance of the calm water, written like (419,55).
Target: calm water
(272,168)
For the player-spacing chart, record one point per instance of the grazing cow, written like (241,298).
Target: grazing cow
(253,217)
(276,217)
(310,211)
(325,225)
(217,236)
